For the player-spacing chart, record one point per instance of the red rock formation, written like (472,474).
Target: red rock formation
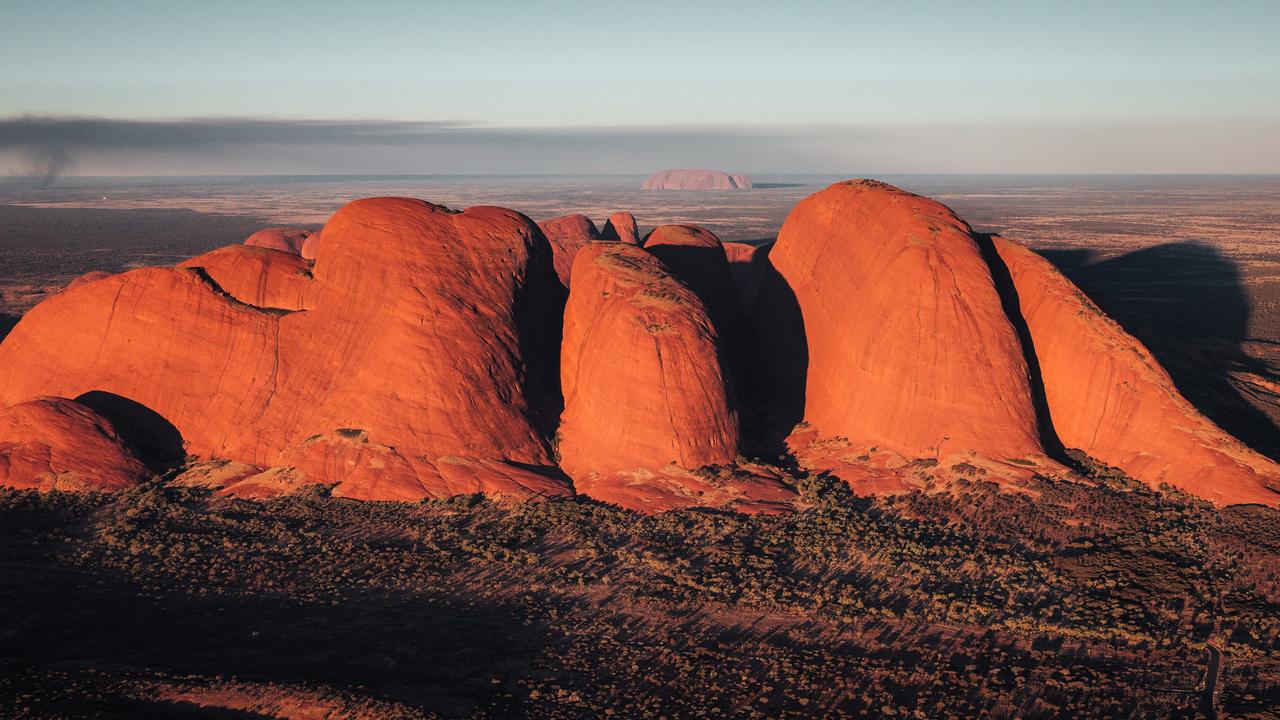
(696,180)
(431,333)
(1109,397)
(907,344)
(621,227)
(697,259)
(257,276)
(284,239)
(52,443)
(311,246)
(567,234)
(161,337)
(646,401)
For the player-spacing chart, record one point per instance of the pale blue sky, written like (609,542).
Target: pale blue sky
(1165,74)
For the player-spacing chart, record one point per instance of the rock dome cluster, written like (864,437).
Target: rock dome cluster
(408,350)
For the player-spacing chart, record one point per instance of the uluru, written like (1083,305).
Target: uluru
(689,179)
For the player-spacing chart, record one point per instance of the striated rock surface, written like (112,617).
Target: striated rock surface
(257,276)
(881,324)
(685,179)
(52,443)
(284,239)
(646,400)
(164,339)
(431,335)
(1110,398)
(621,227)
(567,234)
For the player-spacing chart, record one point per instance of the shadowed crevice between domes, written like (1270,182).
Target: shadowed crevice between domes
(1012,306)
(155,440)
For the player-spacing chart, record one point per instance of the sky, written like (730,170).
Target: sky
(629,87)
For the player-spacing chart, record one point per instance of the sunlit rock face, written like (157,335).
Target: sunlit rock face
(881,324)
(417,358)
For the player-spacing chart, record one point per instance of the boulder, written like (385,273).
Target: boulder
(52,443)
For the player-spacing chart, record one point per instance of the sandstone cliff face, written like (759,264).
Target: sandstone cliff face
(426,336)
(685,179)
(1109,397)
(284,239)
(621,227)
(53,443)
(903,343)
(567,234)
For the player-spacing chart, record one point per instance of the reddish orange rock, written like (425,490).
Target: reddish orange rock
(311,246)
(567,235)
(163,338)
(430,332)
(1110,398)
(697,258)
(52,443)
(257,276)
(883,322)
(621,227)
(284,239)
(646,401)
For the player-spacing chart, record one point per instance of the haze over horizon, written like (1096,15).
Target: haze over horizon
(576,87)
